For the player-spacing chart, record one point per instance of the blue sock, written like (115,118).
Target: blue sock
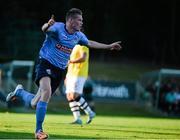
(40,114)
(26,96)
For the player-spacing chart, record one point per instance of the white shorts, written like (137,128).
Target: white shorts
(75,84)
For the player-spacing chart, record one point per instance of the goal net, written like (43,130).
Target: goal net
(17,72)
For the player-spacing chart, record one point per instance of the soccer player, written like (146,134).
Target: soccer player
(53,58)
(75,78)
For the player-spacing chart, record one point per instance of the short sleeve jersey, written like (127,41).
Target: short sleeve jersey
(59,43)
(79,69)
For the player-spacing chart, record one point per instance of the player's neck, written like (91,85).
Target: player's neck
(69,29)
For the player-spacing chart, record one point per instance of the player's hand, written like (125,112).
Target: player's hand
(51,21)
(116,46)
(69,62)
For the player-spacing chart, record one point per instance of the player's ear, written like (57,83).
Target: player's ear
(71,20)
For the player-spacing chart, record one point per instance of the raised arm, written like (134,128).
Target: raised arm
(46,26)
(112,46)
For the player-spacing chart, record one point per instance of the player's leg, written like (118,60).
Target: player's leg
(43,81)
(20,92)
(48,79)
(81,102)
(41,108)
(70,82)
(86,108)
(74,108)
(36,99)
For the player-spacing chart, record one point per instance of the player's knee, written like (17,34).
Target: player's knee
(45,93)
(68,97)
(75,96)
(33,105)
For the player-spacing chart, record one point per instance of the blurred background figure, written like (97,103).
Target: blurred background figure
(170,100)
(2,96)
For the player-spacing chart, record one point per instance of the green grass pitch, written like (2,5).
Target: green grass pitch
(21,126)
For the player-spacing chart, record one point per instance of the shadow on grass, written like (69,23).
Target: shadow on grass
(136,130)
(102,108)
(21,135)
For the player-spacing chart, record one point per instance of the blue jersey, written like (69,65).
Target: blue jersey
(59,43)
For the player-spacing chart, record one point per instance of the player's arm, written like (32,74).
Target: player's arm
(46,26)
(112,46)
(81,59)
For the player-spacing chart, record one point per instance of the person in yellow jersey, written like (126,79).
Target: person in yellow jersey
(76,76)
